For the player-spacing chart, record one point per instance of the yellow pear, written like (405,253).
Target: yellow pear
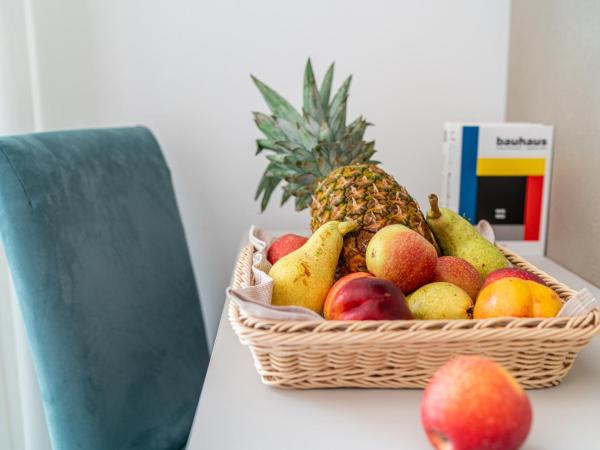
(304,277)
(440,301)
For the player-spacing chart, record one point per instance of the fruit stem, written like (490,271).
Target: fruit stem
(347,227)
(435,212)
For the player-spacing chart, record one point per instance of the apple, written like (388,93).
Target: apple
(451,269)
(472,403)
(512,272)
(402,256)
(366,298)
(515,297)
(283,245)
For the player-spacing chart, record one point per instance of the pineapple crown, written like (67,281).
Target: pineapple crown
(305,148)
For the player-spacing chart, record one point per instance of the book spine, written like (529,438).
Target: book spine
(445,168)
(451,165)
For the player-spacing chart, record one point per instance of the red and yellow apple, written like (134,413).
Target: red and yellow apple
(515,297)
(360,296)
(402,256)
(283,245)
(472,403)
(511,272)
(451,269)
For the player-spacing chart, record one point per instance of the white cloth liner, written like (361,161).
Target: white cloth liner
(579,305)
(255,301)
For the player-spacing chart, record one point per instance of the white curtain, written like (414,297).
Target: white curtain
(22,423)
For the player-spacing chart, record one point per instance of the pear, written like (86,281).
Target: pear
(457,237)
(304,276)
(440,301)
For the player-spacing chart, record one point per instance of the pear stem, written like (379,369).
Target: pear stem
(347,227)
(435,212)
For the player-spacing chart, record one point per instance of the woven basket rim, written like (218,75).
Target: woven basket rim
(588,323)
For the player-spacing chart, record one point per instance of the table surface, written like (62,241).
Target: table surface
(237,411)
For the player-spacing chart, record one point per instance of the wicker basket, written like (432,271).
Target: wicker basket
(405,353)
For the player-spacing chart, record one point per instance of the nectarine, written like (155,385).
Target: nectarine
(515,297)
(336,287)
(367,298)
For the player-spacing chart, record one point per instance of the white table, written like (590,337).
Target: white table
(236,411)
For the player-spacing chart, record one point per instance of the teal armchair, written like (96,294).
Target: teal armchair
(104,281)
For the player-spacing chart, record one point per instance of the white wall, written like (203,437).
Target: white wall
(563,36)
(16,104)
(182,68)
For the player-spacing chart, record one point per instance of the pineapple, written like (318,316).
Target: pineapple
(326,165)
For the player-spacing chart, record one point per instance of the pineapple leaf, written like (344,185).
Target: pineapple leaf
(309,82)
(286,174)
(297,134)
(280,159)
(322,160)
(325,91)
(366,151)
(268,125)
(267,144)
(299,187)
(312,100)
(302,202)
(266,186)
(278,105)
(338,122)
(325,133)
(287,193)
(261,185)
(356,130)
(311,125)
(339,102)
(270,187)
(340,96)
(297,159)
(302,154)
(331,157)
(288,146)
(306,180)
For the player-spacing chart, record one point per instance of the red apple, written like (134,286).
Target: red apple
(283,245)
(459,272)
(472,403)
(366,298)
(402,256)
(512,272)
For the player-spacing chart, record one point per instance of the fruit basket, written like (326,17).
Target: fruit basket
(405,353)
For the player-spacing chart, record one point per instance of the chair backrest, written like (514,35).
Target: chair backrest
(103,277)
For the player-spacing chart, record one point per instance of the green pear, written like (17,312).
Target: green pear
(440,301)
(457,237)
(304,277)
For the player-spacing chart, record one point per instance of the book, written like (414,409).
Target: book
(500,172)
